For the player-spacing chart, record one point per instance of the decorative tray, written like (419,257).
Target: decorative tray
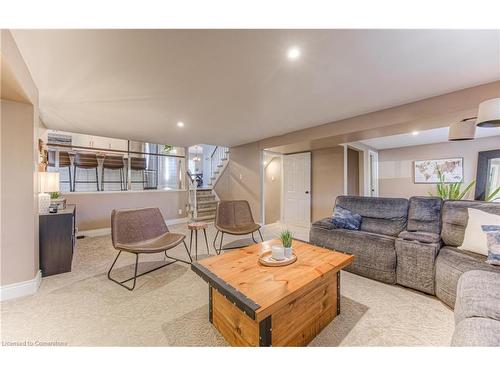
(266,259)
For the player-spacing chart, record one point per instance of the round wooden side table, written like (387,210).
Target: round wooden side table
(195,227)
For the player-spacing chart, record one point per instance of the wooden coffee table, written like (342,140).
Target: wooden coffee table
(254,305)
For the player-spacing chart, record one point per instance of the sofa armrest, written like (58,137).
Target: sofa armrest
(424,237)
(325,223)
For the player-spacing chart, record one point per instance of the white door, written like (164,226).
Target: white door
(297,189)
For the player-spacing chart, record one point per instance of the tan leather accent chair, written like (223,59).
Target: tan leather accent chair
(234,217)
(143,231)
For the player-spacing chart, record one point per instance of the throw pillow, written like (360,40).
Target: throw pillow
(346,219)
(474,237)
(493,236)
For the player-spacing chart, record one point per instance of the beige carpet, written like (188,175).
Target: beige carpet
(169,307)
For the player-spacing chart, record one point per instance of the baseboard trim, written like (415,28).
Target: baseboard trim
(107,231)
(21,289)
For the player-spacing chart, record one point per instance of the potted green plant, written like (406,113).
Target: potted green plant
(57,198)
(453,190)
(286,240)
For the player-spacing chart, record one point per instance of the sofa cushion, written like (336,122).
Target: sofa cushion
(374,254)
(325,223)
(424,237)
(477,332)
(386,216)
(493,240)
(475,239)
(455,216)
(424,214)
(478,295)
(451,263)
(346,219)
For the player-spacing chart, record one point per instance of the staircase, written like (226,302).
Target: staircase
(203,201)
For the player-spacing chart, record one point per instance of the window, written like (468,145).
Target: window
(89,163)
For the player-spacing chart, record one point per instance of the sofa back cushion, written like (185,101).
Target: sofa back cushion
(424,214)
(387,216)
(455,216)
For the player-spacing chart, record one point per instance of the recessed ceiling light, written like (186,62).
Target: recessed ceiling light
(180,124)
(414,133)
(293,53)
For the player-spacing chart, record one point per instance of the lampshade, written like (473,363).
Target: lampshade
(488,115)
(462,130)
(48,182)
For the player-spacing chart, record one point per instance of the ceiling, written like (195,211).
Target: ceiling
(231,87)
(437,135)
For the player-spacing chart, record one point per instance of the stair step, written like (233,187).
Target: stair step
(204,193)
(205,197)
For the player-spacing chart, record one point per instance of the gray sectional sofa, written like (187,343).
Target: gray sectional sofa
(414,243)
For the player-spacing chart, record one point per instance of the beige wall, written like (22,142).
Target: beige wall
(272,189)
(396,165)
(18,162)
(19,234)
(327,180)
(241,179)
(93,210)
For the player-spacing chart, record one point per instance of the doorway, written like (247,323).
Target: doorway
(354,183)
(297,189)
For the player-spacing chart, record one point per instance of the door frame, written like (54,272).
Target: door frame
(373,190)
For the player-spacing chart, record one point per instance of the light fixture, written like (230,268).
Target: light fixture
(180,124)
(463,130)
(488,115)
(48,182)
(293,53)
(415,132)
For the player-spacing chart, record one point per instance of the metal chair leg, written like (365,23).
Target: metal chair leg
(253,238)
(122,283)
(221,237)
(189,255)
(260,234)
(215,240)
(134,278)
(206,241)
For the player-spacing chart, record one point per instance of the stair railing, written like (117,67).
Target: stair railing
(192,204)
(217,159)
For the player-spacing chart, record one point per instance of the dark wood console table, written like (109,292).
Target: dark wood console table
(57,234)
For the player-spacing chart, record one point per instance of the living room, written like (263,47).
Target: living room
(172,187)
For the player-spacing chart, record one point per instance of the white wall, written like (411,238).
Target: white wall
(396,165)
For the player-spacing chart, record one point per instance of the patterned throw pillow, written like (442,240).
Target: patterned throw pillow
(346,219)
(493,236)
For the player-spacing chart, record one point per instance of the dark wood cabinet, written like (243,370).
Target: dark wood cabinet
(57,235)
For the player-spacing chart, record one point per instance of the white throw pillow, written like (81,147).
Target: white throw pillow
(475,239)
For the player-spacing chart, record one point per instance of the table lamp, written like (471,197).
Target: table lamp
(48,183)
